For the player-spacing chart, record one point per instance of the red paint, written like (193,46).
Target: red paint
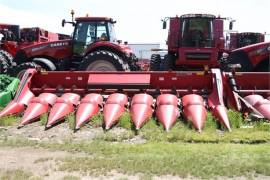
(89,106)
(167,111)
(114,109)
(141,109)
(12,108)
(62,107)
(38,106)
(194,110)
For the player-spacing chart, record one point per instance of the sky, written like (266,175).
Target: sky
(138,21)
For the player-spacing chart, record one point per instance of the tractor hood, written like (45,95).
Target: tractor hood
(54,49)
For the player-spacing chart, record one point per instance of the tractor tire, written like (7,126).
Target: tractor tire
(133,64)
(19,70)
(7,56)
(155,62)
(134,67)
(264,66)
(103,61)
(166,63)
(3,65)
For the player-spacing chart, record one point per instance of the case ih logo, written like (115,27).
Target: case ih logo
(59,44)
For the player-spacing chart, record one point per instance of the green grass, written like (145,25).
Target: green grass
(96,120)
(43,119)
(71,121)
(199,160)
(258,132)
(125,121)
(71,178)
(157,158)
(16,174)
(9,121)
(236,119)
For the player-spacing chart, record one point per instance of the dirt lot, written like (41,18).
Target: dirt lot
(43,164)
(40,160)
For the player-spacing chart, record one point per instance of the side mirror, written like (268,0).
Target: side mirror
(164,26)
(231,25)
(63,22)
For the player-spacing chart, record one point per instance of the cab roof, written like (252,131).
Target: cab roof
(198,15)
(94,19)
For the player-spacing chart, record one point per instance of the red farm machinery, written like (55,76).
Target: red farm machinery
(195,42)
(94,47)
(238,40)
(168,95)
(13,38)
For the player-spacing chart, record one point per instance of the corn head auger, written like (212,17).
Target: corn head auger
(165,95)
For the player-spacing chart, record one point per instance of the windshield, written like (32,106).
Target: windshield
(197,32)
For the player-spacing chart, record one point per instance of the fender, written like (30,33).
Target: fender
(120,49)
(45,62)
(251,56)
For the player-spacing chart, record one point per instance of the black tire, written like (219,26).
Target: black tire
(133,63)
(240,57)
(7,56)
(18,71)
(155,62)
(3,65)
(264,66)
(103,61)
(166,63)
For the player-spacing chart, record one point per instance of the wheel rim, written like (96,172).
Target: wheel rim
(101,65)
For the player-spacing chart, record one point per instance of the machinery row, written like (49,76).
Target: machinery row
(167,95)
(202,70)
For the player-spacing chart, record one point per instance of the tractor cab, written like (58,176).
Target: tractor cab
(92,29)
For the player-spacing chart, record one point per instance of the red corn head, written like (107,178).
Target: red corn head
(263,106)
(12,108)
(90,105)
(220,112)
(141,109)
(253,99)
(194,110)
(62,107)
(167,111)
(114,108)
(38,106)
(215,100)
(169,99)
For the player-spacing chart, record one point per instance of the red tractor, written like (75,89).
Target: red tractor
(196,41)
(94,47)
(14,38)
